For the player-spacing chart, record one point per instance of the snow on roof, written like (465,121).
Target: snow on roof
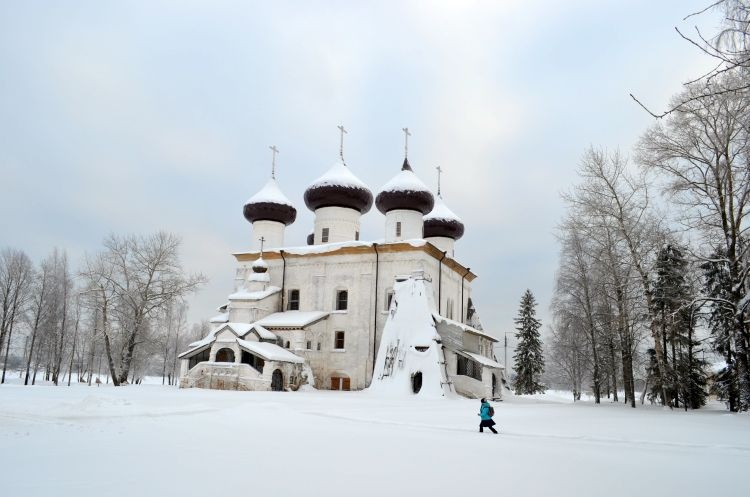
(260,263)
(260,277)
(270,351)
(463,326)
(262,332)
(221,318)
(339,175)
(240,329)
(486,361)
(242,294)
(441,211)
(405,181)
(292,319)
(270,193)
(332,247)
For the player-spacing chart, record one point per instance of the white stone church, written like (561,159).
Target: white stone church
(345,314)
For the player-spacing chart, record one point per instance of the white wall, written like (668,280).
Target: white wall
(342,224)
(411,225)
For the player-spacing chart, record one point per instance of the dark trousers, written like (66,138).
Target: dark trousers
(487,423)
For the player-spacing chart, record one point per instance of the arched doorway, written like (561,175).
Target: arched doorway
(277,381)
(225,355)
(416,382)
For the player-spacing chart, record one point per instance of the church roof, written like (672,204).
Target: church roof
(465,327)
(292,319)
(270,351)
(243,294)
(269,204)
(405,191)
(221,318)
(338,187)
(441,221)
(485,361)
(359,247)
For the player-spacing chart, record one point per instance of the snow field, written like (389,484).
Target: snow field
(150,440)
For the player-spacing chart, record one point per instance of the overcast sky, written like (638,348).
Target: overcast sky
(131,117)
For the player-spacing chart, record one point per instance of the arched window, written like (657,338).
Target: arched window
(293,304)
(342,300)
(225,355)
(416,382)
(339,341)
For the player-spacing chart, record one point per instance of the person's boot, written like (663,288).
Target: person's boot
(493,430)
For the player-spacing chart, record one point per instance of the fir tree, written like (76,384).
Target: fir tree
(717,288)
(528,357)
(675,311)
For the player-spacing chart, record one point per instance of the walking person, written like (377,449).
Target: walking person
(486,411)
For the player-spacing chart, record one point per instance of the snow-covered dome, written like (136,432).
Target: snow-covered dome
(260,266)
(338,187)
(405,191)
(441,221)
(269,204)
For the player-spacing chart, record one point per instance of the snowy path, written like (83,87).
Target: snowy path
(151,440)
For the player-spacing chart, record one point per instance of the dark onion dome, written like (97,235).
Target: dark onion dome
(269,204)
(260,266)
(405,191)
(311,239)
(441,221)
(338,187)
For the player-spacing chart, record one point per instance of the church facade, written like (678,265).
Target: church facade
(321,314)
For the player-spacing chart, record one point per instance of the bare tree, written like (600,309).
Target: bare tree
(615,203)
(729,49)
(139,275)
(16,273)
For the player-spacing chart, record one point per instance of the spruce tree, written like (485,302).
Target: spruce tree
(673,305)
(529,361)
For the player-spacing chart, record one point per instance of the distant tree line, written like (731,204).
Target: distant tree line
(120,315)
(650,289)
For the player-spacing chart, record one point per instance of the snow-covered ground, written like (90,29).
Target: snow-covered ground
(150,440)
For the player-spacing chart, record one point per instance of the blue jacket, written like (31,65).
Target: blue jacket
(484,411)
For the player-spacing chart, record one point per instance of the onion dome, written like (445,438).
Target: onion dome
(269,204)
(441,221)
(338,187)
(260,266)
(405,191)
(311,238)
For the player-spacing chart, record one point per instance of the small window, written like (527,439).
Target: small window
(318,345)
(287,344)
(398,228)
(339,343)
(356,235)
(309,345)
(342,300)
(293,300)
(388,299)
(324,236)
